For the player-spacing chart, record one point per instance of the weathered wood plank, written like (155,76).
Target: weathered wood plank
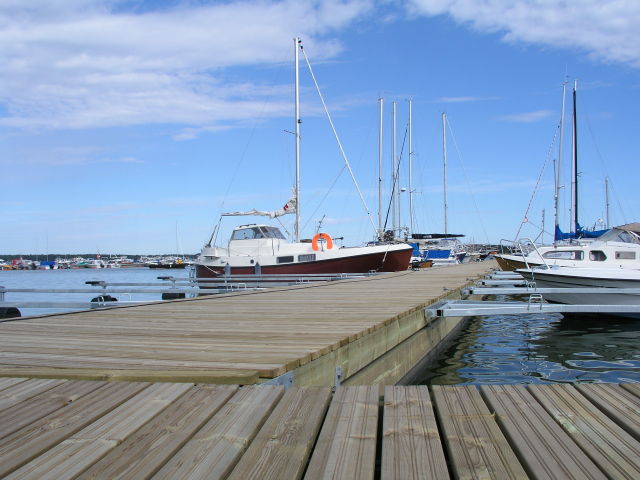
(25,390)
(476,445)
(346,447)
(546,451)
(148,449)
(34,408)
(215,449)
(9,382)
(609,446)
(283,444)
(36,438)
(227,377)
(411,445)
(78,452)
(617,402)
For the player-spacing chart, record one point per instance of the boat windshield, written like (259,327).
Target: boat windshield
(618,235)
(254,232)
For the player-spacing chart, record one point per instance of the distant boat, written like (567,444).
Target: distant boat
(260,248)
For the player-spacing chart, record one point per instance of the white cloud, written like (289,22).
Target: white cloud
(92,63)
(529,117)
(606,30)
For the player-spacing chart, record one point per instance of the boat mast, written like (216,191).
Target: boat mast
(606,199)
(380,132)
(410,171)
(574,166)
(559,164)
(296,44)
(394,177)
(444,155)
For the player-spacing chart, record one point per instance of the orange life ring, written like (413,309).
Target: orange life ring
(318,236)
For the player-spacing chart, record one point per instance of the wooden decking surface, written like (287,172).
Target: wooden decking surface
(235,338)
(59,429)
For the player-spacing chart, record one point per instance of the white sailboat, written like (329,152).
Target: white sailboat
(261,248)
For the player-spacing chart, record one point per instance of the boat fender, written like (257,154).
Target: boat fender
(317,237)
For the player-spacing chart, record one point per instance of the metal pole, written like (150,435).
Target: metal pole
(410,169)
(394,178)
(380,133)
(444,159)
(558,165)
(296,43)
(574,165)
(606,198)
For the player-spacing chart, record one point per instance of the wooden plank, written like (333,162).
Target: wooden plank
(78,452)
(24,390)
(610,447)
(622,406)
(215,449)
(346,447)
(227,377)
(147,450)
(477,448)
(546,451)
(9,382)
(283,444)
(632,387)
(32,440)
(411,446)
(31,410)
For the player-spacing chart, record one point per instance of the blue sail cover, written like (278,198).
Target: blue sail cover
(580,233)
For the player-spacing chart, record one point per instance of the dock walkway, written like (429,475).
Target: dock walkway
(60,429)
(244,338)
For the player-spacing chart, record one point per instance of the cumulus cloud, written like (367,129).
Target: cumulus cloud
(607,31)
(98,63)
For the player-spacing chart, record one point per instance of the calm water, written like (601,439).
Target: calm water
(539,348)
(75,279)
(532,348)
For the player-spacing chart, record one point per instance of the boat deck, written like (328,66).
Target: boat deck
(236,338)
(60,429)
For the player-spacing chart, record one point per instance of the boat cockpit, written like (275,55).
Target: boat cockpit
(255,232)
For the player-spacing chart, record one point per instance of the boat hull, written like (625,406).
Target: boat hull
(553,279)
(392,261)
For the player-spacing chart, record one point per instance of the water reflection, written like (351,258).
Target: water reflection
(538,348)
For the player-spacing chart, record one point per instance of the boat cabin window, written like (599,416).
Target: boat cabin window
(254,232)
(287,259)
(310,257)
(597,256)
(625,255)
(564,254)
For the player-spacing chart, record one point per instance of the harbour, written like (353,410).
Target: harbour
(283,370)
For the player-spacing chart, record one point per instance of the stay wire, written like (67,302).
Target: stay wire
(335,133)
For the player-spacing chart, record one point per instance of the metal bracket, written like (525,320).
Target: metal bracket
(338,378)
(285,380)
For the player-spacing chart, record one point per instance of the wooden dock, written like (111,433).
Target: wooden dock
(368,331)
(60,429)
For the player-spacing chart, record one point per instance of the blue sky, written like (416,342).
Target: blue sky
(130,126)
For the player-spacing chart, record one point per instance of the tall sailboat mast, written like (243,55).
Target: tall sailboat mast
(380,133)
(574,166)
(559,165)
(410,170)
(296,44)
(606,199)
(444,160)
(394,170)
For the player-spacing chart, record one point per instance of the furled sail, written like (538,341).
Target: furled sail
(289,207)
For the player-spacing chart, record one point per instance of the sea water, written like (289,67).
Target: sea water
(539,348)
(532,348)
